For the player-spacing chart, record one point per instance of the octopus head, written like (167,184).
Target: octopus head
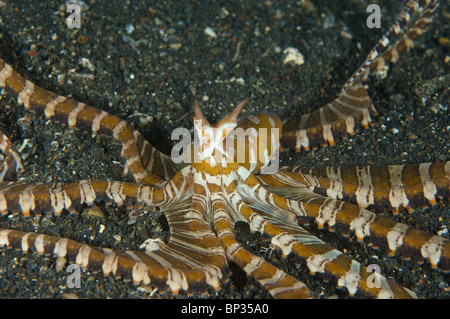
(211,137)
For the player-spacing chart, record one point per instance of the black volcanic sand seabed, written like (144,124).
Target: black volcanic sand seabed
(139,60)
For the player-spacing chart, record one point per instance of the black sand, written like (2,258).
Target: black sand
(150,71)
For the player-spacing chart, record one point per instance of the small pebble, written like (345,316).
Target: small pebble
(118,238)
(240,81)
(346,35)
(209,31)
(223,13)
(130,28)
(293,55)
(82,39)
(175,46)
(445,42)
(93,212)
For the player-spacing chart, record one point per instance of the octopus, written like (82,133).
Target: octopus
(223,182)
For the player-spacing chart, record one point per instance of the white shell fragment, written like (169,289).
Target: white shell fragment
(209,31)
(293,55)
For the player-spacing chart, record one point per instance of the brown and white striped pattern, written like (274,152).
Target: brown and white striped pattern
(203,202)
(175,267)
(12,163)
(54,198)
(337,214)
(346,115)
(156,166)
(318,256)
(392,187)
(387,50)
(278,283)
(352,109)
(192,260)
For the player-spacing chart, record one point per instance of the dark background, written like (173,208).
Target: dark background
(145,76)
